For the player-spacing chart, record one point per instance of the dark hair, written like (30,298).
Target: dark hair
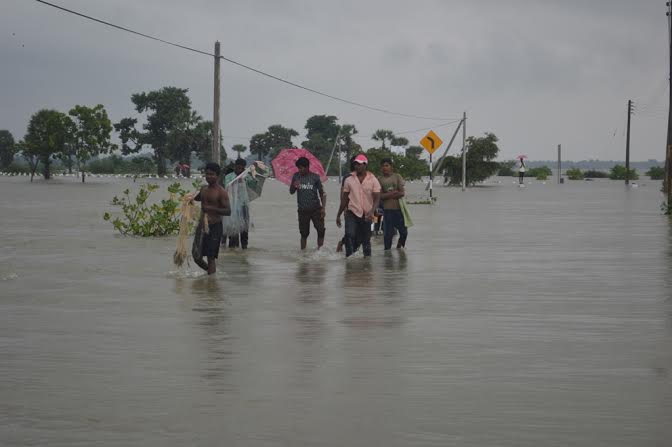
(386,160)
(352,163)
(302,162)
(214,167)
(241,162)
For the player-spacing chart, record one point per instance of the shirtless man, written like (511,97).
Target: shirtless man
(215,203)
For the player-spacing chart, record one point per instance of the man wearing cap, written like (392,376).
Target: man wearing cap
(361,191)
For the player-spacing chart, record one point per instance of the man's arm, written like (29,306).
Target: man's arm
(199,196)
(293,185)
(401,190)
(345,199)
(375,195)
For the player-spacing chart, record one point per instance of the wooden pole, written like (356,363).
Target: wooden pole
(559,164)
(215,114)
(667,184)
(627,146)
(464,151)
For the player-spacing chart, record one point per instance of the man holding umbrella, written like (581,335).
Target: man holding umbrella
(311,201)
(361,192)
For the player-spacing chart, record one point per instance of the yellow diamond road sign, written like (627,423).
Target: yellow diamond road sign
(431,142)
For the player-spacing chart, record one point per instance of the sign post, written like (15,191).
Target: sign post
(431,143)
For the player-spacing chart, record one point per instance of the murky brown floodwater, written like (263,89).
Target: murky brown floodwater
(517,317)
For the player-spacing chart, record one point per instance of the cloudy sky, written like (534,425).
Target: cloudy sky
(536,73)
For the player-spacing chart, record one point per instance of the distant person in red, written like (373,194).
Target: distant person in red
(311,201)
(215,203)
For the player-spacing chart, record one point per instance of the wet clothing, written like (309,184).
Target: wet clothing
(394,219)
(361,193)
(211,240)
(309,191)
(357,231)
(393,182)
(305,217)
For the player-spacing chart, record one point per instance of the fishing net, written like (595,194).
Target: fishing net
(188,213)
(243,189)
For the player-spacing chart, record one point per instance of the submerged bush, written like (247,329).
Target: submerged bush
(142,219)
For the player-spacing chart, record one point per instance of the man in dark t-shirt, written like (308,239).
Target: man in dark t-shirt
(311,201)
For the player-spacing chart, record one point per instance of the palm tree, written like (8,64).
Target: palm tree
(239,148)
(383,135)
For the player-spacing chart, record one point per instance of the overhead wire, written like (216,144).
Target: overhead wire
(247,67)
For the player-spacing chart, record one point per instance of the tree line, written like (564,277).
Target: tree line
(167,125)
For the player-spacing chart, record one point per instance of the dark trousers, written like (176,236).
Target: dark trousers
(238,239)
(357,229)
(394,219)
(521,176)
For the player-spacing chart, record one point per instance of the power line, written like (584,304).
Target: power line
(247,67)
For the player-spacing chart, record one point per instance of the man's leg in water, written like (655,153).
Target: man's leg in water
(364,235)
(211,266)
(304,227)
(388,229)
(318,223)
(350,232)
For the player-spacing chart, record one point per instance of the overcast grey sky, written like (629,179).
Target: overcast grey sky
(536,73)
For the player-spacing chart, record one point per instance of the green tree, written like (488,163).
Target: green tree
(399,141)
(267,145)
(47,136)
(618,172)
(506,168)
(383,135)
(348,144)
(196,138)
(7,148)
(90,134)
(168,112)
(321,133)
(574,174)
(239,149)
(656,173)
(414,151)
(540,173)
(480,165)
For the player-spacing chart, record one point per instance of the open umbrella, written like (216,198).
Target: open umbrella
(521,157)
(284,166)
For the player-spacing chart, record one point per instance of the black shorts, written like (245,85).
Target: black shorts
(212,240)
(305,217)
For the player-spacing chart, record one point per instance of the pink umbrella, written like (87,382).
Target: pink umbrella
(284,165)
(520,157)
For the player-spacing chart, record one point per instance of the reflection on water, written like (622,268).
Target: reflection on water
(528,317)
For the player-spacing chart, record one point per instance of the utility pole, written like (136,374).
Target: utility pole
(559,164)
(431,180)
(464,151)
(667,185)
(627,145)
(215,114)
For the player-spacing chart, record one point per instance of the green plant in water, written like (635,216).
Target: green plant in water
(666,208)
(574,174)
(140,218)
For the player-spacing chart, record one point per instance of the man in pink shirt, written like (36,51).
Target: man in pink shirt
(361,191)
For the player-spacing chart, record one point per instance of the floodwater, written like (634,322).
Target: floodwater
(536,316)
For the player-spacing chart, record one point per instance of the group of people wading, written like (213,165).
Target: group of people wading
(363,198)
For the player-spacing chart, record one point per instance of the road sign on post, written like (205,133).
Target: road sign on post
(431,143)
